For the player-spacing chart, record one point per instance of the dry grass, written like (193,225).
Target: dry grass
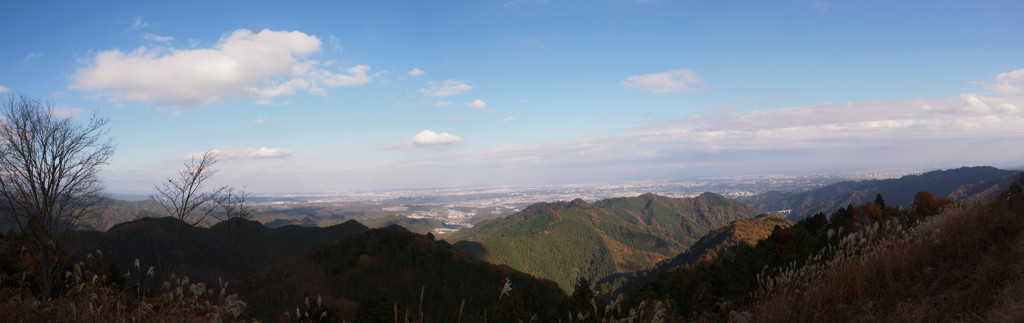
(89,298)
(966,264)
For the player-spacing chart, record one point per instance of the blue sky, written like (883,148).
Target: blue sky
(322,96)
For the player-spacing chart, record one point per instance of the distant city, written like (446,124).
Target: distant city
(463,207)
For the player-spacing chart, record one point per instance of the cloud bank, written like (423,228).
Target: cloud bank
(242,64)
(921,133)
(1009,83)
(229,153)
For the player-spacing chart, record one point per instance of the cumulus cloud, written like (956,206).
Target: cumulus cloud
(242,64)
(262,120)
(476,104)
(33,55)
(415,72)
(228,153)
(507,119)
(683,80)
(1008,82)
(430,138)
(442,104)
(445,88)
(3,89)
(454,118)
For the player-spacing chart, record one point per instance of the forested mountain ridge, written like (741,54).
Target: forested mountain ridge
(418,225)
(566,240)
(228,249)
(959,183)
(716,243)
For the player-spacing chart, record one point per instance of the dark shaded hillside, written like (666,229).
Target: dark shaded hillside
(565,240)
(206,253)
(717,243)
(367,276)
(418,225)
(960,183)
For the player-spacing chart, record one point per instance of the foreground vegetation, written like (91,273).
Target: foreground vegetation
(938,261)
(964,264)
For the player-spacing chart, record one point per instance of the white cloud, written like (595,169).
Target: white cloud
(356,76)
(683,80)
(33,55)
(429,138)
(4,89)
(242,64)
(1008,82)
(334,42)
(507,119)
(262,120)
(477,104)
(228,153)
(66,112)
(445,88)
(967,129)
(138,22)
(454,118)
(444,103)
(415,72)
(152,37)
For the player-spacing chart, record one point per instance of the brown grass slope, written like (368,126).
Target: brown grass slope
(966,264)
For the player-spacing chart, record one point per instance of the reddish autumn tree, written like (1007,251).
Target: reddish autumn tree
(867,213)
(926,205)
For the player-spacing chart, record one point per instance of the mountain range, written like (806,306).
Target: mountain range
(966,182)
(229,249)
(640,246)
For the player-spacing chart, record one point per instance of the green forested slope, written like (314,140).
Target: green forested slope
(565,240)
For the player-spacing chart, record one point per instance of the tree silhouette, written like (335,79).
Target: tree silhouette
(185,197)
(48,178)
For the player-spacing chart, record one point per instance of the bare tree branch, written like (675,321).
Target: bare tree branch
(48,177)
(185,199)
(233,209)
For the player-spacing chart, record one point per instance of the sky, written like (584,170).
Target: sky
(360,95)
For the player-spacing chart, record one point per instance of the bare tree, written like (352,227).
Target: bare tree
(185,197)
(233,208)
(49,180)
